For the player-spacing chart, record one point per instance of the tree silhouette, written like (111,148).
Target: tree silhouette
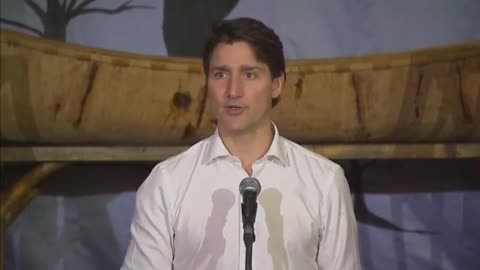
(362,213)
(59,14)
(187,23)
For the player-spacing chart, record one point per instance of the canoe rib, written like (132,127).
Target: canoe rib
(64,94)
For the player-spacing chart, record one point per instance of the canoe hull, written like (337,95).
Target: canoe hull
(56,93)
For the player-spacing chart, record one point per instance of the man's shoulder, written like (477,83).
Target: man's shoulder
(312,164)
(187,157)
(304,154)
(173,167)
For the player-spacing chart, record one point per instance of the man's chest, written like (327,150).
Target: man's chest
(208,223)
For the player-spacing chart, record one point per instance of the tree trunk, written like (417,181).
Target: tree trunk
(55,21)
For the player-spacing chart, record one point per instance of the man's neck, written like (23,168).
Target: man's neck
(249,146)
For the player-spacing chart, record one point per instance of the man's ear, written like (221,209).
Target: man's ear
(277,85)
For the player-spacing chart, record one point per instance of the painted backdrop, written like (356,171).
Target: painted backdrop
(412,214)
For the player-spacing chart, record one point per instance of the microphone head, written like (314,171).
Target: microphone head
(250,183)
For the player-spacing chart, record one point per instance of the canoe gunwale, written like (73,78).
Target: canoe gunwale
(378,61)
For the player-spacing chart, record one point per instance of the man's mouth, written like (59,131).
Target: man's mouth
(234,109)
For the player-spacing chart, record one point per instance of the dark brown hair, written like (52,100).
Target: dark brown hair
(265,44)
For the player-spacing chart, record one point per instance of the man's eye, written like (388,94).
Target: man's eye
(250,75)
(219,75)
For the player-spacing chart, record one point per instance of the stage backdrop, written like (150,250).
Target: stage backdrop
(412,214)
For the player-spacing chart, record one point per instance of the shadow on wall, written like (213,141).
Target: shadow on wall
(79,221)
(407,176)
(72,224)
(187,23)
(364,177)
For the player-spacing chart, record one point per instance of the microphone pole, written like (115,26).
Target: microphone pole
(249,210)
(249,189)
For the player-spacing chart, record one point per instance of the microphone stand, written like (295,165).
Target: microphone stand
(249,214)
(248,238)
(248,257)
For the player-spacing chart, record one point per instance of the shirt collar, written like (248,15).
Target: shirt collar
(277,148)
(216,149)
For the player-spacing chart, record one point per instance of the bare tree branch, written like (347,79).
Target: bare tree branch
(70,7)
(74,11)
(123,7)
(36,8)
(21,26)
(83,5)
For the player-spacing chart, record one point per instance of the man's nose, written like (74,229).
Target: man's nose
(235,87)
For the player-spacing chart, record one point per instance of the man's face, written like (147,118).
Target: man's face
(240,89)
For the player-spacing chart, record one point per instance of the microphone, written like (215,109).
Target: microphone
(249,189)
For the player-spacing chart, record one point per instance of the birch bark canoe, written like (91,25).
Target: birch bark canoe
(63,94)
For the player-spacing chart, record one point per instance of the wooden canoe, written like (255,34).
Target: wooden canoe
(63,94)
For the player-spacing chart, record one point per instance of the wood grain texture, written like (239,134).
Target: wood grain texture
(63,94)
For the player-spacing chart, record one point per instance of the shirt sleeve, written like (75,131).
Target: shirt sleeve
(151,243)
(338,248)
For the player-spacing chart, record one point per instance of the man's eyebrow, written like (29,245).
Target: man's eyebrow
(249,68)
(242,68)
(219,68)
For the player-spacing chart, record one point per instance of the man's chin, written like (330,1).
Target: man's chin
(236,129)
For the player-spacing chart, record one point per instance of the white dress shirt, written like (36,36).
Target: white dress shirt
(188,212)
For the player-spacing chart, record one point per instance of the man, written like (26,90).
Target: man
(188,214)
